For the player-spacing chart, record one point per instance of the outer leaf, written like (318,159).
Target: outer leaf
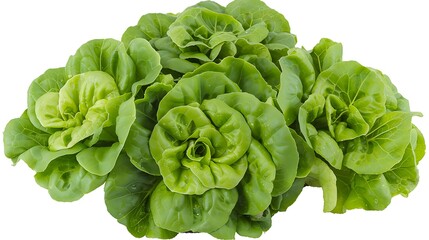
(66,180)
(383,147)
(254,226)
(404,176)
(326,53)
(20,135)
(198,213)
(246,50)
(269,71)
(147,62)
(369,192)
(279,44)
(127,197)
(327,148)
(244,74)
(151,26)
(322,175)
(256,187)
(211,5)
(306,155)
(252,12)
(24,141)
(50,81)
(137,144)
(284,201)
(107,55)
(296,81)
(420,145)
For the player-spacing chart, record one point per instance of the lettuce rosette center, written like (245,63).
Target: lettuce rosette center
(200,147)
(86,104)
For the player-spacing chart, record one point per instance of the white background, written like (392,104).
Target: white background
(37,34)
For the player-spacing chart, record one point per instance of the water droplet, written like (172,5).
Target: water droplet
(133,187)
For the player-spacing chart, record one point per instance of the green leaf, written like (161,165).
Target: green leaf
(404,176)
(50,81)
(252,12)
(355,98)
(279,43)
(151,26)
(202,34)
(325,54)
(137,143)
(198,213)
(195,89)
(211,5)
(127,196)
(256,186)
(309,111)
(21,135)
(101,160)
(306,155)
(244,74)
(284,201)
(107,55)
(321,175)
(268,70)
(269,128)
(383,147)
(147,62)
(369,192)
(296,81)
(221,136)
(80,108)
(324,145)
(66,180)
(23,141)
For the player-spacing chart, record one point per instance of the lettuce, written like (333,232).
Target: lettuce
(212,120)
(79,116)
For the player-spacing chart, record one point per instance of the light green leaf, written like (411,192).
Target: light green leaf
(296,81)
(195,89)
(214,138)
(358,98)
(80,108)
(252,12)
(151,26)
(321,175)
(269,128)
(101,160)
(244,74)
(107,55)
(369,192)
(50,81)
(147,62)
(382,147)
(201,33)
(325,54)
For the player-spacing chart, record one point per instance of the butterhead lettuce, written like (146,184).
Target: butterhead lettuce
(79,116)
(212,121)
